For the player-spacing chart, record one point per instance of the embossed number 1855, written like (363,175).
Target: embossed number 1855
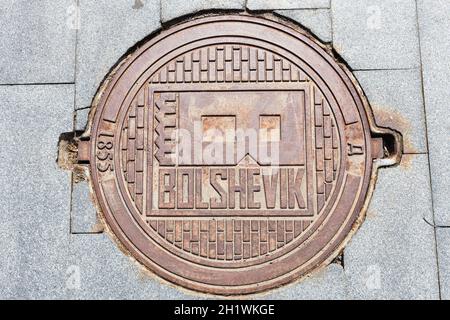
(104,151)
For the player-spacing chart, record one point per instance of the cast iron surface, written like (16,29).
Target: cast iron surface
(238,224)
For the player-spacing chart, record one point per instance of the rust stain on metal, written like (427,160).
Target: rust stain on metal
(229,164)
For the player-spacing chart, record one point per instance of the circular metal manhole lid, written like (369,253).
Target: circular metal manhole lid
(232,154)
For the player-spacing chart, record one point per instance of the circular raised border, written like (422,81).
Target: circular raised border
(339,88)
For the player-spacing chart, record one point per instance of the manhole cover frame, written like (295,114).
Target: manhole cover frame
(385,144)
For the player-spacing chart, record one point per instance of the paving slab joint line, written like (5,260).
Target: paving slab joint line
(386,69)
(75,67)
(83,108)
(284,9)
(305,9)
(436,225)
(36,84)
(74,121)
(332,24)
(86,232)
(278,9)
(428,145)
(71,203)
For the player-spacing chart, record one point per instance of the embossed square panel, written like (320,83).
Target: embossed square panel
(230,163)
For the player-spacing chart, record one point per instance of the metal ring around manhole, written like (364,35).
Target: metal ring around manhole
(232,154)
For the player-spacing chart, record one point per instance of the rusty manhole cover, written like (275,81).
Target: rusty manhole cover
(233,154)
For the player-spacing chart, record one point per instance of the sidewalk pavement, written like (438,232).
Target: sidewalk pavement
(53,56)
